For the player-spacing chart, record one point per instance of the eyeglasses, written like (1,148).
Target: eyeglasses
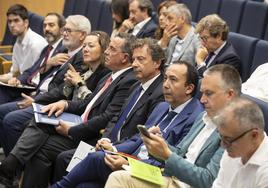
(228,143)
(69,30)
(204,38)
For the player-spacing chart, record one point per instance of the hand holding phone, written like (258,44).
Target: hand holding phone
(143,130)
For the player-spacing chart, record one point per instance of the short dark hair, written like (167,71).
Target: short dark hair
(61,19)
(19,10)
(229,76)
(145,5)
(191,75)
(126,48)
(157,53)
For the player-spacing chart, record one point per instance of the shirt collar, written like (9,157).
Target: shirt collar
(147,84)
(181,41)
(140,25)
(56,43)
(118,73)
(179,108)
(219,49)
(72,53)
(208,121)
(260,155)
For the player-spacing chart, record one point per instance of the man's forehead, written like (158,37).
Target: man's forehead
(51,19)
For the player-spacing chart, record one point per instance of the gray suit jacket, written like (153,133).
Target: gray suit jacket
(206,167)
(189,48)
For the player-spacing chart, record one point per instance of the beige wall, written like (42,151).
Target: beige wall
(41,7)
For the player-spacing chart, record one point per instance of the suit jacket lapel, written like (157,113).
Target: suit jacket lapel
(186,42)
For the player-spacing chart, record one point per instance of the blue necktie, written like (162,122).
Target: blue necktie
(125,113)
(163,125)
(210,55)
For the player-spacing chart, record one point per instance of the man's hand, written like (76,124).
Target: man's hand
(126,25)
(58,59)
(72,76)
(14,82)
(104,144)
(55,108)
(26,102)
(115,162)
(170,31)
(63,128)
(157,146)
(201,55)
(155,130)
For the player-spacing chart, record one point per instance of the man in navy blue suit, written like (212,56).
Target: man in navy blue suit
(140,22)
(213,32)
(174,118)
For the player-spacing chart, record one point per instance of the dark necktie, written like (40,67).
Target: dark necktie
(125,113)
(41,67)
(210,55)
(163,125)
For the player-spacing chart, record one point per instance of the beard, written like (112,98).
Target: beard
(50,37)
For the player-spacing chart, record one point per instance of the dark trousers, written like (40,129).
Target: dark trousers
(38,148)
(90,172)
(12,123)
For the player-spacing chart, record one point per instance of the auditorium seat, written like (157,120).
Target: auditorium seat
(244,46)
(208,7)
(193,5)
(260,54)
(94,12)
(254,19)
(80,7)
(263,106)
(8,38)
(68,7)
(36,23)
(231,11)
(105,20)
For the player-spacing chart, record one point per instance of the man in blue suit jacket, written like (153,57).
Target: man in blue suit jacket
(195,160)
(213,32)
(174,119)
(140,22)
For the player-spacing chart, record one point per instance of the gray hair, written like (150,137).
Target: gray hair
(181,10)
(229,76)
(245,112)
(145,4)
(80,22)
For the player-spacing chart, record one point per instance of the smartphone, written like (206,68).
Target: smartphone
(143,130)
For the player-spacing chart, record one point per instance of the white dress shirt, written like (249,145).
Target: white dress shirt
(256,85)
(253,174)
(26,52)
(139,26)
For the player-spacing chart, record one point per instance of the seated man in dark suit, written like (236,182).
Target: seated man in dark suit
(195,161)
(148,64)
(34,75)
(140,22)
(20,114)
(213,32)
(174,118)
(40,144)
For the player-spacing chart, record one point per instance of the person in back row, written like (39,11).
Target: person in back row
(194,162)
(28,45)
(140,22)
(213,33)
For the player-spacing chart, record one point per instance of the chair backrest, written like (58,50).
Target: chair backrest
(8,38)
(260,55)
(68,7)
(105,20)
(36,23)
(209,7)
(231,11)
(254,19)
(244,46)
(266,33)
(263,106)
(94,12)
(193,6)
(80,7)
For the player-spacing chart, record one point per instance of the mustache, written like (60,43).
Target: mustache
(48,34)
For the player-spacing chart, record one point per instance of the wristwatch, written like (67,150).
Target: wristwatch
(79,84)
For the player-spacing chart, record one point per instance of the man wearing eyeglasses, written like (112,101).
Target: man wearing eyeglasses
(194,162)
(213,32)
(244,162)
